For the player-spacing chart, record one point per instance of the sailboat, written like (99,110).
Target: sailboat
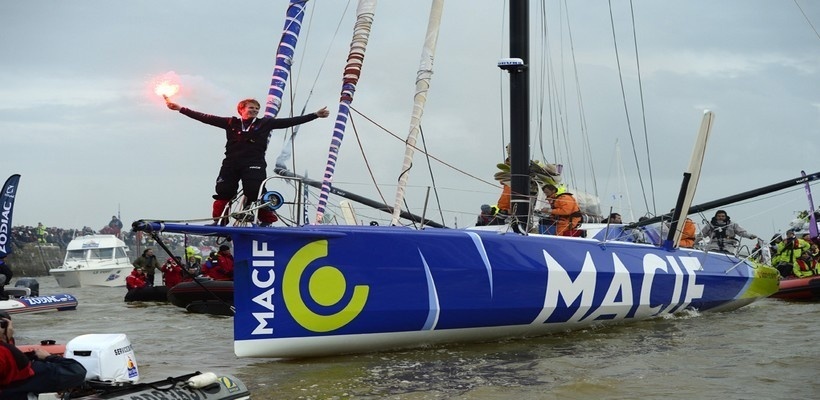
(318,290)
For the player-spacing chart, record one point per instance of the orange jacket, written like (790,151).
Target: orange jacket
(687,237)
(566,211)
(505,199)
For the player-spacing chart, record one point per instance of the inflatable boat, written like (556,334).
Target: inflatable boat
(112,373)
(25,297)
(203,296)
(799,289)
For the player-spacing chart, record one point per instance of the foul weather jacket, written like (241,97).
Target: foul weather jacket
(247,141)
(565,209)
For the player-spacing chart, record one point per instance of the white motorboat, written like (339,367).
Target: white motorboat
(94,260)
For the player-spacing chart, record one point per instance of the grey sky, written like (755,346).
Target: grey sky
(80,124)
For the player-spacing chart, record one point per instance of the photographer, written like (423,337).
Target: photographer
(35,372)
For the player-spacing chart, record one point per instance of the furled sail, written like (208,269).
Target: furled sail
(6,211)
(284,56)
(423,76)
(281,70)
(361,33)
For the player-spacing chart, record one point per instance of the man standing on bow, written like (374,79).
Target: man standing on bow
(247,141)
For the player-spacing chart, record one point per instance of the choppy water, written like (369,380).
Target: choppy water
(768,350)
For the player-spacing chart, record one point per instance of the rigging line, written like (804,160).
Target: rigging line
(643,107)
(807,19)
(324,59)
(432,177)
(421,150)
(626,108)
(558,119)
(581,114)
(366,162)
(295,130)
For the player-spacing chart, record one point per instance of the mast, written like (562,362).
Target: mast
(361,34)
(520,111)
(423,76)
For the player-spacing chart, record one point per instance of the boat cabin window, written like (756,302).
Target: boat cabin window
(75,255)
(101,254)
(120,253)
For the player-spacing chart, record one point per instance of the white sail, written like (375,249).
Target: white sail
(423,77)
(695,164)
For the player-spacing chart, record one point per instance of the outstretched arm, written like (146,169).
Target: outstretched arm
(213,120)
(322,113)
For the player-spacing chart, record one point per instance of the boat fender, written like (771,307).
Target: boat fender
(202,380)
(274,198)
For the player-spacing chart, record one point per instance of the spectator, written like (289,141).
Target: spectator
(172,271)
(148,262)
(42,232)
(224,268)
(5,278)
(136,280)
(43,373)
(790,259)
(210,265)
(115,226)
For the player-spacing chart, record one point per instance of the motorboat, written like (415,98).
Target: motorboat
(94,260)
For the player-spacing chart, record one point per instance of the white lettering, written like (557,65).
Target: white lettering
(259,283)
(621,286)
(262,327)
(265,299)
(618,300)
(651,263)
(693,290)
(560,284)
(675,302)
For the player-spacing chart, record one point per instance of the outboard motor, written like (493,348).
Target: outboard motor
(107,357)
(31,284)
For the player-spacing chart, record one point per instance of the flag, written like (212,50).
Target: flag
(6,211)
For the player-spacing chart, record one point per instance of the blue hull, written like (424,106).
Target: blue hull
(320,290)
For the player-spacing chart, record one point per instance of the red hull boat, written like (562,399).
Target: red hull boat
(799,289)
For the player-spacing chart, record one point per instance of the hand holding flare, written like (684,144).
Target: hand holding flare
(167,89)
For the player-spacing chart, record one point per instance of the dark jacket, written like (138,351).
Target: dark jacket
(247,141)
